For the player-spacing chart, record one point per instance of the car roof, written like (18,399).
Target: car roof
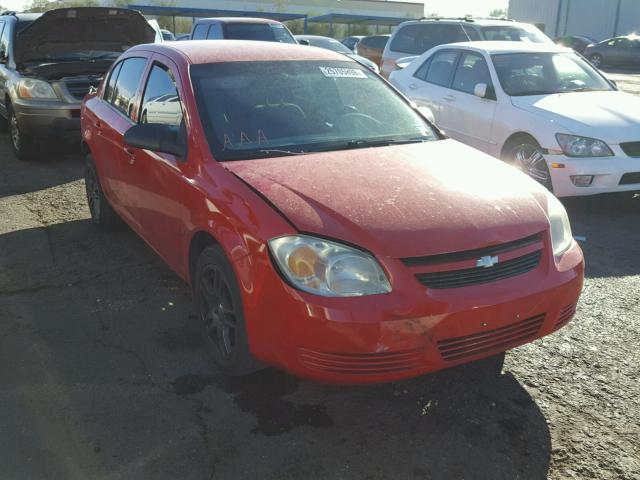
(237,20)
(483,22)
(317,37)
(206,51)
(21,17)
(491,47)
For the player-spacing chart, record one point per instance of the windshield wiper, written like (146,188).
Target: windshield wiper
(284,153)
(362,143)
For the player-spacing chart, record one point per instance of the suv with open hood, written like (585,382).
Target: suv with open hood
(49,62)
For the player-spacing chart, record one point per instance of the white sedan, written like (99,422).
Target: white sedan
(541,107)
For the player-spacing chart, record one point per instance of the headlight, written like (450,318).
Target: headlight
(574,146)
(326,268)
(561,237)
(32,89)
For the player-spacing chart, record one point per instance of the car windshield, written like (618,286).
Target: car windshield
(523,74)
(266,109)
(514,34)
(269,32)
(329,44)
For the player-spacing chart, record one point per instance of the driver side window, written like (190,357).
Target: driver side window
(161,102)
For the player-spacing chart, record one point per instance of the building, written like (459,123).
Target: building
(346,12)
(596,19)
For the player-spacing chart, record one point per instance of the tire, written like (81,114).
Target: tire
(23,146)
(525,154)
(220,314)
(102,213)
(596,60)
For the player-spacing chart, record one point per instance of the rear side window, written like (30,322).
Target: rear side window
(441,68)
(418,38)
(108,91)
(421,73)
(161,102)
(471,70)
(126,86)
(215,32)
(200,32)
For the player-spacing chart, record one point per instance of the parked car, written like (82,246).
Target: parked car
(415,37)
(619,51)
(372,47)
(575,42)
(340,239)
(242,28)
(167,35)
(540,107)
(48,63)
(336,46)
(352,41)
(159,38)
(183,36)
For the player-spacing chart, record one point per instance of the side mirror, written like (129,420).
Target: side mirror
(3,57)
(157,138)
(480,90)
(304,42)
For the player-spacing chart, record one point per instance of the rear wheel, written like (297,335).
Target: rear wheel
(22,144)
(596,60)
(525,153)
(102,214)
(221,316)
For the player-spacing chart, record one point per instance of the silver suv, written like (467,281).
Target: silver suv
(415,37)
(49,62)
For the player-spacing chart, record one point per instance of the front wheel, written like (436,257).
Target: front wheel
(528,157)
(596,60)
(221,316)
(22,145)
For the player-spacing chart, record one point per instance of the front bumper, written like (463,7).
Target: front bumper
(49,120)
(607,173)
(412,330)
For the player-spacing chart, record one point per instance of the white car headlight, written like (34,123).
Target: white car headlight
(574,146)
(326,268)
(32,89)
(561,237)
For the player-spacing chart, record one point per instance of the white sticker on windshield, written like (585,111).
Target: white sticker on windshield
(338,72)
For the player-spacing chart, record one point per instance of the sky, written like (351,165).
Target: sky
(478,8)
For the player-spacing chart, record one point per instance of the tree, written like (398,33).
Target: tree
(498,13)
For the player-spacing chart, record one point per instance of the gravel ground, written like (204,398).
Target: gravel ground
(103,377)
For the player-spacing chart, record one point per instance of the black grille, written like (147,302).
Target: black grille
(502,338)
(565,315)
(630,178)
(473,276)
(631,148)
(472,254)
(78,89)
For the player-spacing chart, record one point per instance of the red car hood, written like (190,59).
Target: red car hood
(402,201)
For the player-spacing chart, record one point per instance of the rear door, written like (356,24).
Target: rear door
(156,179)
(469,117)
(4,50)
(114,116)
(430,87)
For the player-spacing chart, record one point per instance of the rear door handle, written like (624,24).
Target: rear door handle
(413,86)
(450,98)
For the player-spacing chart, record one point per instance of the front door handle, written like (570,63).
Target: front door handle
(413,86)
(131,154)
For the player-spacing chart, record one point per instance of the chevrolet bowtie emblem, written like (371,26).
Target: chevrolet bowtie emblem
(487,261)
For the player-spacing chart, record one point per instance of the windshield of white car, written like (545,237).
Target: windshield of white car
(514,34)
(268,32)
(257,109)
(522,74)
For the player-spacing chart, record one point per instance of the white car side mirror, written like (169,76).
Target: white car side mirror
(480,90)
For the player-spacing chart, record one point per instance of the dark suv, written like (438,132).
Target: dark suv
(49,62)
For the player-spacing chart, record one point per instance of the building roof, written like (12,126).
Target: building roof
(176,11)
(347,18)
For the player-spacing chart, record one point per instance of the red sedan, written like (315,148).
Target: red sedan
(325,226)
